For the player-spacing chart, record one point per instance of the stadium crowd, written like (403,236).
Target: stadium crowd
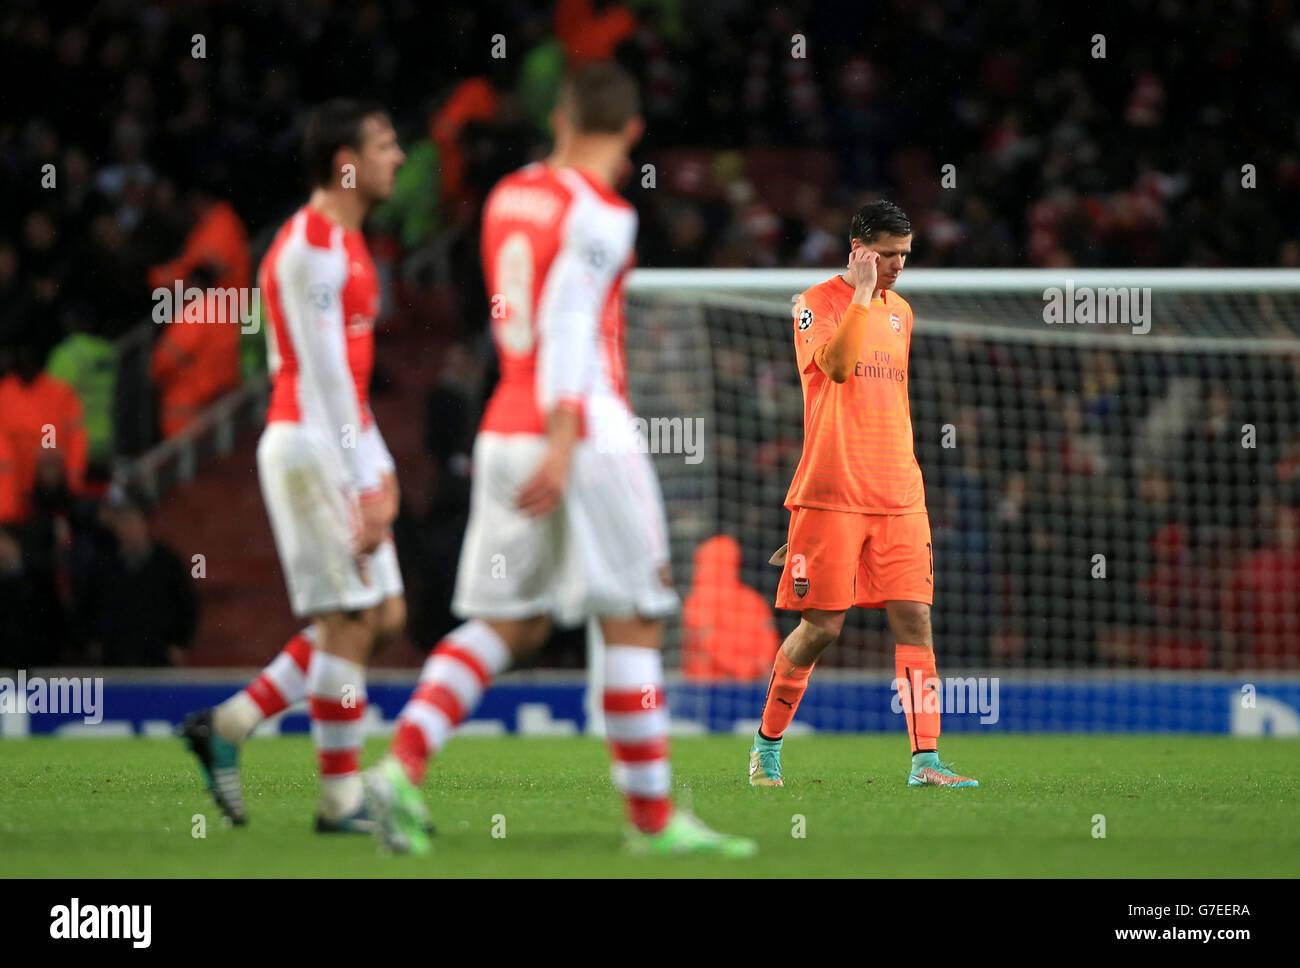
(165,153)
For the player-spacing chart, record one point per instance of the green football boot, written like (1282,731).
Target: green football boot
(687,834)
(397,809)
(765,763)
(928,770)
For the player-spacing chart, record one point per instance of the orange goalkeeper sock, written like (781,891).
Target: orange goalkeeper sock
(784,690)
(917,683)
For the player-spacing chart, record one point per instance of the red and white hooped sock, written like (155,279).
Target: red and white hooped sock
(636,725)
(453,680)
(336,701)
(281,684)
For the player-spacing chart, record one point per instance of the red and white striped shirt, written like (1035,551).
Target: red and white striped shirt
(556,246)
(321,294)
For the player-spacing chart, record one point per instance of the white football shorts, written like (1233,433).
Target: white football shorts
(313,517)
(603,552)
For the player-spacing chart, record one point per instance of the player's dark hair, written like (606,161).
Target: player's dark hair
(878,218)
(330,126)
(599,98)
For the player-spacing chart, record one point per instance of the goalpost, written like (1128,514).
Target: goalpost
(1111,460)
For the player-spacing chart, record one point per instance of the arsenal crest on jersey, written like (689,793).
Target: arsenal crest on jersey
(801,587)
(896,322)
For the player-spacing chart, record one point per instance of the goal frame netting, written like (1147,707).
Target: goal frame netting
(774,290)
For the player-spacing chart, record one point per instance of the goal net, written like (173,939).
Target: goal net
(1112,472)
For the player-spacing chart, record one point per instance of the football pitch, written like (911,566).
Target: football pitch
(1172,806)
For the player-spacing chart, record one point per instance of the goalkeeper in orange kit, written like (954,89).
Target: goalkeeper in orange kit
(859,532)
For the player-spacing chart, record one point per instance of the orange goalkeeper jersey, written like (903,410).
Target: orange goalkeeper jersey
(858,452)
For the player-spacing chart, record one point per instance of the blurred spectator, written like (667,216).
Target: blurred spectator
(589,35)
(1083,450)
(196,359)
(540,75)
(88,364)
(1162,429)
(1223,472)
(40,415)
(962,556)
(141,608)
(1261,605)
(217,242)
(1174,591)
(472,99)
(728,630)
(47,537)
(11,491)
(33,619)
(413,211)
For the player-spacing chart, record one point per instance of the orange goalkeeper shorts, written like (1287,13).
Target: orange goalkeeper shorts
(838,559)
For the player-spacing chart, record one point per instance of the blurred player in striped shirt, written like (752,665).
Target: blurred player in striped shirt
(327,477)
(566,519)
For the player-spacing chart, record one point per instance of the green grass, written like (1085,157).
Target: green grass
(1177,806)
